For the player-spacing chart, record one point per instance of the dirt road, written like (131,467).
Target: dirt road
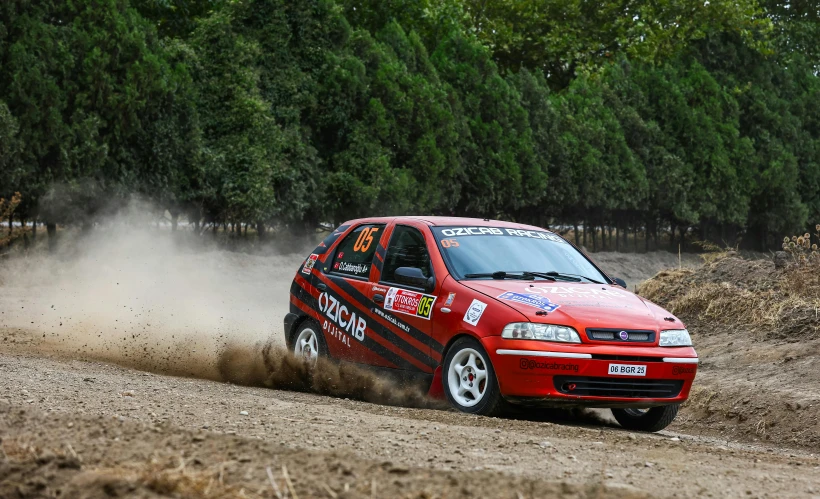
(88,409)
(116,420)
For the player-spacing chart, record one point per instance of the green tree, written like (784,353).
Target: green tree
(500,172)
(83,80)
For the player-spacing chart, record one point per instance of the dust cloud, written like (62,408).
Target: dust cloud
(140,296)
(136,296)
(272,366)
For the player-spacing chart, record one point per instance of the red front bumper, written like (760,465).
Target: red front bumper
(566,374)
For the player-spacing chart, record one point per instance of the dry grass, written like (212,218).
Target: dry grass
(737,293)
(164,477)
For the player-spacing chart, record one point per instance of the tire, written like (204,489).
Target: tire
(309,342)
(654,419)
(478,394)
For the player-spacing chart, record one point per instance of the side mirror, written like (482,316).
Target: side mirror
(620,282)
(413,276)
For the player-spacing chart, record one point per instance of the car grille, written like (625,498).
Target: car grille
(634,335)
(622,388)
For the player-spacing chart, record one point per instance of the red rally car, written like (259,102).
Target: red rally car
(491,313)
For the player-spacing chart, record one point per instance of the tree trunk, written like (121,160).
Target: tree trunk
(26,242)
(260,230)
(609,243)
(575,231)
(617,236)
(626,236)
(585,234)
(635,235)
(34,230)
(673,228)
(51,229)
(594,238)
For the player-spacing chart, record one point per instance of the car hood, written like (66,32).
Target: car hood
(581,304)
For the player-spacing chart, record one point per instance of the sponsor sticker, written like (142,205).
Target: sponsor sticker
(525,363)
(340,316)
(533,300)
(389,318)
(409,302)
(474,313)
(309,263)
(575,291)
(357,269)
(683,370)
(450,298)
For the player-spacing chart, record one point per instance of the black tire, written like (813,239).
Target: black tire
(320,345)
(654,419)
(491,402)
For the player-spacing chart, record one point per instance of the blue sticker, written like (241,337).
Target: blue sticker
(533,300)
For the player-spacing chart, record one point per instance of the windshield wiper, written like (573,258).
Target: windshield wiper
(501,274)
(552,276)
(570,276)
(525,274)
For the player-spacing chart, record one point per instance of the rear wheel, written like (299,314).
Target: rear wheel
(309,343)
(469,379)
(654,419)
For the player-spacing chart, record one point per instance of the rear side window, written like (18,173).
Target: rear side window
(407,249)
(355,254)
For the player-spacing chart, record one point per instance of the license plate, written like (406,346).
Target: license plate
(627,370)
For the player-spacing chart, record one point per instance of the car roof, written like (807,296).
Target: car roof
(448,221)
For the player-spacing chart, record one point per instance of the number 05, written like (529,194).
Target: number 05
(365,239)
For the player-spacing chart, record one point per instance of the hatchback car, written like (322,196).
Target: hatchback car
(490,313)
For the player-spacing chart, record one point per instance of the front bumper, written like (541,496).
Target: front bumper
(554,374)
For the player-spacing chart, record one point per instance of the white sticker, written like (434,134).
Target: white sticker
(473,314)
(309,263)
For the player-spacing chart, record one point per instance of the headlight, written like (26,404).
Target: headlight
(544,332)
(675,338)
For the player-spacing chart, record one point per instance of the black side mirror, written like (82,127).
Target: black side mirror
(413,276)
(620,282)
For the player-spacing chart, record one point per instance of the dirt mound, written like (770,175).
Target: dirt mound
(743,295)
(635,268)
(756,331)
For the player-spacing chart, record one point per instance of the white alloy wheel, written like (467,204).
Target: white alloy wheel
(307,345)
(467,377)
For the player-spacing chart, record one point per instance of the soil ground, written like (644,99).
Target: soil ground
(89,406)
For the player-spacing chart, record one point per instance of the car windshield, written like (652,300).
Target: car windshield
(479,252)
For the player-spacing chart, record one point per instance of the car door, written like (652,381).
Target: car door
(342,295)
(405,311)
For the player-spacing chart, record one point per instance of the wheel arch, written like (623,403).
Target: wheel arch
(456,337)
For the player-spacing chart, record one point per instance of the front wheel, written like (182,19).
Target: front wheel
(469,381)
(309,343)
(654,419)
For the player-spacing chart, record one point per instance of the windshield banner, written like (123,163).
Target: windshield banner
(496,231)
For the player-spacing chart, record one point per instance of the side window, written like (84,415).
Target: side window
(407,249)
(355,254)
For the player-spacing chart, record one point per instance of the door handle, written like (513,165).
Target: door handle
(321,286)
(378,298)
